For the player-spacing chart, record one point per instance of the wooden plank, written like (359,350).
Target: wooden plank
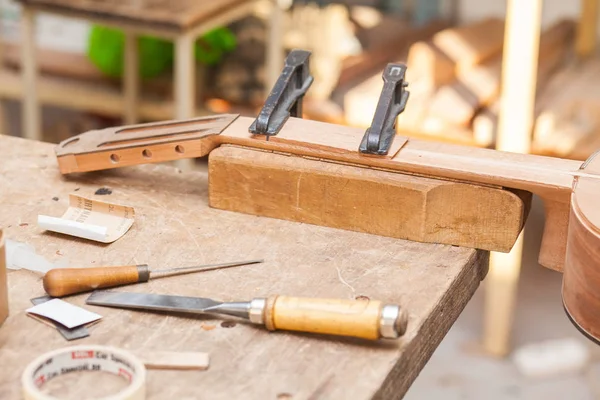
(485,125)
(458,102)
(174,227)
(519,73)
(455,51)
(360,80)
(471,44)
(587,29)
(430,64)
(386,42)
(568,112)
(382,203)
(551,60)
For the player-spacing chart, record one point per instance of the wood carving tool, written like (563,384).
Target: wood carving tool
(571,238)
(65,281)
(366,319)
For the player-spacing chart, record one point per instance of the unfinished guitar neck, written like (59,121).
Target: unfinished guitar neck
(479,171)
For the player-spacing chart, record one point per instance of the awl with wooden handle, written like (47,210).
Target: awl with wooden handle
(366,319)
(65,281)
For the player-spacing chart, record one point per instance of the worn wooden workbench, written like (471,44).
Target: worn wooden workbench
(174,226)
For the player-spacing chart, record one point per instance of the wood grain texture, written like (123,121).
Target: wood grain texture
(365,200)
(171,14)
(64,281)
(175,226)
(582,268)
(355,318)
(3,285)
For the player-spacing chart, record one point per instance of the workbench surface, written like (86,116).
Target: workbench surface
(175,227)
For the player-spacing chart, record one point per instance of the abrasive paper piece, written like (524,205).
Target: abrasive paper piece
(64,313)
(69,334)
(91,219)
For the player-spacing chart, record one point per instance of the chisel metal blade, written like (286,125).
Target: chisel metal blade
(149,301)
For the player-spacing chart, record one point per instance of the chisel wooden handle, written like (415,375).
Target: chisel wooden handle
(64,281)
(366,319)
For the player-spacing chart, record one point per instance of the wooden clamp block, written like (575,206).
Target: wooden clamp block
(365,199)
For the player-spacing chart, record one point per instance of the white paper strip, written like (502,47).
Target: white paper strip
(64,313)
(91,219)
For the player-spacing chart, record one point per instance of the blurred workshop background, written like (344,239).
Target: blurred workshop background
(60,76)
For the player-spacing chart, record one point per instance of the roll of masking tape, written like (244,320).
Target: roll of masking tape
(85,358)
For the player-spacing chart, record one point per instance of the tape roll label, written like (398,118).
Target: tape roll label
(82,360)
(85,358)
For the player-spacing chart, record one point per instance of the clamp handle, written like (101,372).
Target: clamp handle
(285,99)
(392,101)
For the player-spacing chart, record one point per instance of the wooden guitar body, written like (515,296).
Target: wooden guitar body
(581,281)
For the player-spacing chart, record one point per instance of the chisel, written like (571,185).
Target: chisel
(366,319)
(64,281)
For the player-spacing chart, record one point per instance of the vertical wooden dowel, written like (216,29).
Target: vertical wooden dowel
(3,122)
(4,128)
(500,299)
(31,124)
(185,85)
(587,29)
(131,78)
(519,74)
(274,45)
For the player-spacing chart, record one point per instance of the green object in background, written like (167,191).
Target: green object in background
(213,45)
(106,51)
